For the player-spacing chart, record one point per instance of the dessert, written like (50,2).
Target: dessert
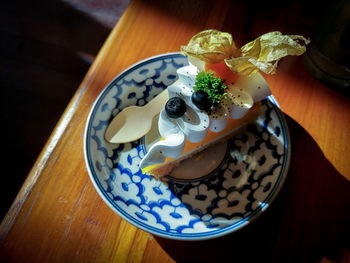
(216,95)
(190,122)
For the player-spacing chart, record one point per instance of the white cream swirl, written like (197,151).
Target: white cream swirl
(194,124)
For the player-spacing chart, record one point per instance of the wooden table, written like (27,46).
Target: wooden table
(59,217)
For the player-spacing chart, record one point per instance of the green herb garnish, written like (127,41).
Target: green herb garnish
(214,86)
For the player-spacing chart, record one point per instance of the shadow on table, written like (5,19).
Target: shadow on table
(308,220)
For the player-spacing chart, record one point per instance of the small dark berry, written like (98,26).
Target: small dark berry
(175,107)
(201,99)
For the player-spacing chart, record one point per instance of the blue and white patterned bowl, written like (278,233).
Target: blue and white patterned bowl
(249,176)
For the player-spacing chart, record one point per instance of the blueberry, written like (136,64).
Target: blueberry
(201,99)
(175,107)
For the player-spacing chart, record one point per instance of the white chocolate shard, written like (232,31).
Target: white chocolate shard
(241,102)
(219,118)
(255,85)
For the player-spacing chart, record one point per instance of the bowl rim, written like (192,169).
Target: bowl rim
(190,237)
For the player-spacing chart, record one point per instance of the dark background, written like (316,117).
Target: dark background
(46,48)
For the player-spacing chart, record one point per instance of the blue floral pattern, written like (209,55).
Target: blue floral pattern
(235,193)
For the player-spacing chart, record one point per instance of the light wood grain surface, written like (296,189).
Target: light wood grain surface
(59,217)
